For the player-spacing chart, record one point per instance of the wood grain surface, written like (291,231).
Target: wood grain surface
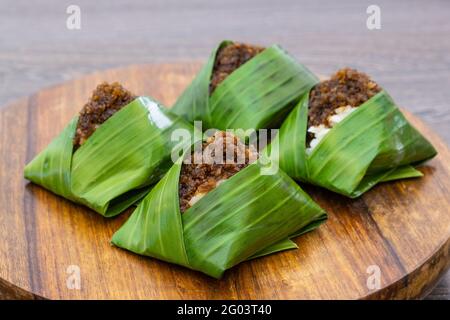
(408,55)
(401,227)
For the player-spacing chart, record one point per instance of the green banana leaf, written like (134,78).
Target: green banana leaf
(375,143)
(247,216)
(117,165)
(51,168)
(259,94)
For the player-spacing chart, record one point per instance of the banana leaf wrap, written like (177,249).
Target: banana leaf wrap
(373,144)
(247,216)
(259,94)
(116,166)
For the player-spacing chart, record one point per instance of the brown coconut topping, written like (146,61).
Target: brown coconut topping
(198,179)
(230,58)
(347,87)
(106,100)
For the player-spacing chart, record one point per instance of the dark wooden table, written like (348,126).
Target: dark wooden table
(409,55)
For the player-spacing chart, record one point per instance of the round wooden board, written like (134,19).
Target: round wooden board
(403,228)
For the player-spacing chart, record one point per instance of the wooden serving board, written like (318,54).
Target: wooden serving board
(402,228)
